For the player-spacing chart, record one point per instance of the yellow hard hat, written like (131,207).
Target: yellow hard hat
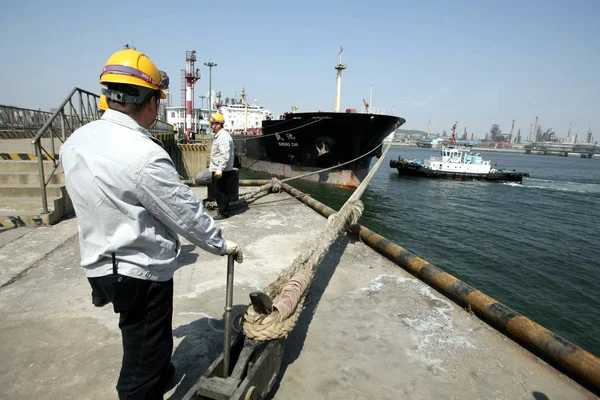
(103,103)
(216,117)
(132,67)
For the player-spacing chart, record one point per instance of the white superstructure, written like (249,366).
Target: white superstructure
(241,117)
(454,159)
(457,160)
(244,117)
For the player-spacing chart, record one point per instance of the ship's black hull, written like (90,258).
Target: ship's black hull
(407,168)
(309,142)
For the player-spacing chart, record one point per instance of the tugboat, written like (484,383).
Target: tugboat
(458,164)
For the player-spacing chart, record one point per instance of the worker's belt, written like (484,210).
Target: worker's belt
(114,264)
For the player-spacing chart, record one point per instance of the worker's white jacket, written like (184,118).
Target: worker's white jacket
(129,200)
(221,152)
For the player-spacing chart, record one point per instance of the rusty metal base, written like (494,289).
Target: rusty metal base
(255,368)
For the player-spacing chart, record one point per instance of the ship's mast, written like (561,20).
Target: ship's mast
(243,95)
(453,138)
(338,87)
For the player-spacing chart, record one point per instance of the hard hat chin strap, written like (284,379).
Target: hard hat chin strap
(122,97)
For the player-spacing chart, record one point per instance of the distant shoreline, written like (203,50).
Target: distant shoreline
(516,151)
(521,151)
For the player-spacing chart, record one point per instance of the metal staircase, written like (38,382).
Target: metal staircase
(32,189)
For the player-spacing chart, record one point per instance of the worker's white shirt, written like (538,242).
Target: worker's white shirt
(129,200)
(221,152)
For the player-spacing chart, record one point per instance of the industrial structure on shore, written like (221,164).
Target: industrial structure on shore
(495,138)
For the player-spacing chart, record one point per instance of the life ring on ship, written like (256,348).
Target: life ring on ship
(324,145)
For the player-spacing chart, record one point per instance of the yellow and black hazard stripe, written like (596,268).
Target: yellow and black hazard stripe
(193,147)
(164,136)
(25,220)
(8,223)
(166,141)
(24,156)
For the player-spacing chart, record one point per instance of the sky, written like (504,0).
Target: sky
(477,63)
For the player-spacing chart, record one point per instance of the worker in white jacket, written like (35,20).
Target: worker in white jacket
(221,163)
(130,207)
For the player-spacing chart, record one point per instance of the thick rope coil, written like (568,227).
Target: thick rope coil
(289,290)
(286,301)
(272,331)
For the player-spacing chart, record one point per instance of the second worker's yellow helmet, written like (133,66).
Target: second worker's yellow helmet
(216,117)
(103,103)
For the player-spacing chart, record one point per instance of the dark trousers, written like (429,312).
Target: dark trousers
(221,192)
(145,311)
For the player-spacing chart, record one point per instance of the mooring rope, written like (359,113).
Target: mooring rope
(288,292)
(333,167)
(275,184)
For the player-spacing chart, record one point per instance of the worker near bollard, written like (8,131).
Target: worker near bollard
(130,207)
(221,163)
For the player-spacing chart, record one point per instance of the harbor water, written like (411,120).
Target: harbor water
(534,247)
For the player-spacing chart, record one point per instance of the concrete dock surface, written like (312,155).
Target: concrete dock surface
(370,330)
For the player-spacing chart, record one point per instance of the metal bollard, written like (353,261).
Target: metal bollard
(228,321)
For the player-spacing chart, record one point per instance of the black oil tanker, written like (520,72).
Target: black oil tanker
(308,142)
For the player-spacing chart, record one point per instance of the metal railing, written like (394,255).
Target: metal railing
(22,120)
(77,109)
(373,110)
